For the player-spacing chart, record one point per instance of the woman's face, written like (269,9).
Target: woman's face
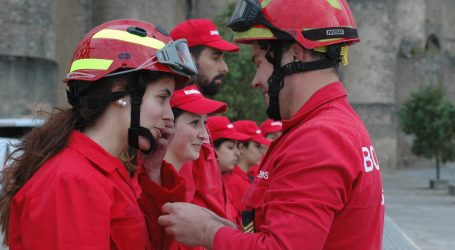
(228,154)
(156,111)
(252,154)
(190,133)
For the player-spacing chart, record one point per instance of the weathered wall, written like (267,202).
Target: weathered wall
(405,44)
(27,53)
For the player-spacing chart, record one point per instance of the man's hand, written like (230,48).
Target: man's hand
(190,224)
(152,162)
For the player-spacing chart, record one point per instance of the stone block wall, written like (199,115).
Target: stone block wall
(405,44)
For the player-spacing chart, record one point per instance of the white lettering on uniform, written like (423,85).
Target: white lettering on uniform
(214,32)
(263,175)
(370,160)
(191,92)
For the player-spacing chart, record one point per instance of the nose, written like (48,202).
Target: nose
(257,82)
(168,116)
(223,67)
(236,151)
(203,134)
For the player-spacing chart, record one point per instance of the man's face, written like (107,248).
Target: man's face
(264,70)
(211,69)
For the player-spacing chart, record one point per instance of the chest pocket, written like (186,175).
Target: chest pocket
(129,231)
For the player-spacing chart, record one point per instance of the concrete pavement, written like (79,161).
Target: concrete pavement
(424,216)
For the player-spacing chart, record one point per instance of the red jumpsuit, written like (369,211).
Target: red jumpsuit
(84,198)
(319,185)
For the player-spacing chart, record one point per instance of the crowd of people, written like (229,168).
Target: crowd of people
(145,158)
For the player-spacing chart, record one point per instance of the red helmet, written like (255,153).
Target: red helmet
(123,46)
(312,23)
(128,45)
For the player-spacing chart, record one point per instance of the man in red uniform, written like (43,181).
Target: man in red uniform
(319,185)
(207,48)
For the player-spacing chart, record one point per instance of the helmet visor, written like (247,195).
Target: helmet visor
(245,15)
(177,56)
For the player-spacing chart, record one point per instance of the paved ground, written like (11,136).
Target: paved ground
(417,218)
(424,216)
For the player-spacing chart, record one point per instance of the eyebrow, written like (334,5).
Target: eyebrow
(167,91)
(218,52)
(199,116)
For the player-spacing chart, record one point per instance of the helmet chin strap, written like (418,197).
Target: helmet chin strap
(275,81)
(136,129)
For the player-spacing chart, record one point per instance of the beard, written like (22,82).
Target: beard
(209,88)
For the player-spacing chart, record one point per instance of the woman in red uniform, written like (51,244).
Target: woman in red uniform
(68,188)
(190,110)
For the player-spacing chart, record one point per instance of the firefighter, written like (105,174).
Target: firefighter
(319,185)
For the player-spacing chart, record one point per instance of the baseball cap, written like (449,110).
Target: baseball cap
(270,126)
(191,100)
(251,128)
(221,128)
(202,32)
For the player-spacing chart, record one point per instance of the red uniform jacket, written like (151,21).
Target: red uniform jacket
(205,187)
(210,191)
(237,182)
(319,185)
(83,198)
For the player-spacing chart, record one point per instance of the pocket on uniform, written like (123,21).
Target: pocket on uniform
(129,231)
(254,195)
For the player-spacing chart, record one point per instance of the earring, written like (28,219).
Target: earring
(121,102)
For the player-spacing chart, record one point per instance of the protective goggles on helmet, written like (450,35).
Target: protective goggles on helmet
(248,13)
(178,57)
(175,54)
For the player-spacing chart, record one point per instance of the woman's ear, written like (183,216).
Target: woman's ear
(298,52)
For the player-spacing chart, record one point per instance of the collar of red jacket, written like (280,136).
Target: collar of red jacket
(94,152)
(322,96)
(238,171)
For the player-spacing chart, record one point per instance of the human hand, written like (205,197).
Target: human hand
(152,161)
(190,224)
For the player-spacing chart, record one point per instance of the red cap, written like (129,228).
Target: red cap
(191,100)
(251,128)
(221,128)
(202,32)
(270,126)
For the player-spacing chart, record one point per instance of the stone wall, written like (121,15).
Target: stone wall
(405,44)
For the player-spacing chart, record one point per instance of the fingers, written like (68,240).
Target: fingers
(164,220)
(167,134)
(167,208)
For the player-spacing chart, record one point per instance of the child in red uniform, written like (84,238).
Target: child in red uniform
(67,188)
(271,129)
(225,139)
(250,155)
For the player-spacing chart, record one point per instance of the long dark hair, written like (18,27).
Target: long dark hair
(42,143)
